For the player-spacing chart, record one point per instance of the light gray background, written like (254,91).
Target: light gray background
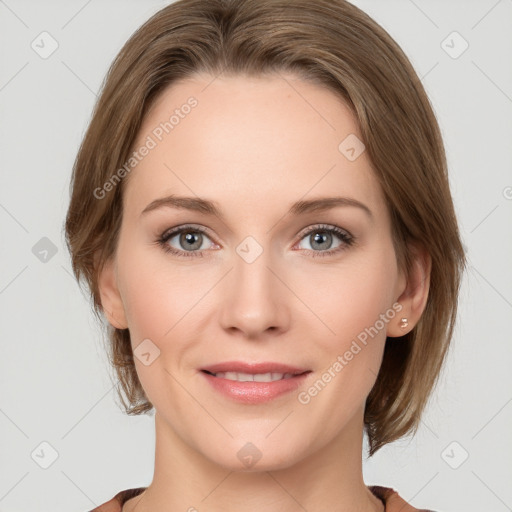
(54,378)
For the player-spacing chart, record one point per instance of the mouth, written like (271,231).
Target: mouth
(254,377)
(251,371)
(254,383)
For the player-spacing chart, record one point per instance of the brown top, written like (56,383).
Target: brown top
(391,499)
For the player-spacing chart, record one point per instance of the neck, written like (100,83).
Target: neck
(326,479)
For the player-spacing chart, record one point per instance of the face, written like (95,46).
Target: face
(257,281)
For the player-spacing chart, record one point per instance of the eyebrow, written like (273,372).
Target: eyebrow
(208,207)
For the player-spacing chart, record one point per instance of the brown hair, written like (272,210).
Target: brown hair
(329,42)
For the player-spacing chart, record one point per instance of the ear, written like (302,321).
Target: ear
(414,293)
(111,301)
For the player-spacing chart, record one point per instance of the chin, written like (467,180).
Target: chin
(255,456)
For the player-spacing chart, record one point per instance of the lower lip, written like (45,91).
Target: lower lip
(254,392)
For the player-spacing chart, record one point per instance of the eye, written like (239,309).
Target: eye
(190,240)
(321,237)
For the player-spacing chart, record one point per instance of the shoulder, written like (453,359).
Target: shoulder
(393,501)
(117,502)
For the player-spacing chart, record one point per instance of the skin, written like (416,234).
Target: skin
(255,146)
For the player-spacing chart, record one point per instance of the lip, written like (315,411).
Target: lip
(251,392)
(243,367)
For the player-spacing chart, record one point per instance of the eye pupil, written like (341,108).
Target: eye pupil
(191,240)
(320,237)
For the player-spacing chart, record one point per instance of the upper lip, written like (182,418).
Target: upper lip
(242,367)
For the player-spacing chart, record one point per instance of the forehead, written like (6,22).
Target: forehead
(248,141)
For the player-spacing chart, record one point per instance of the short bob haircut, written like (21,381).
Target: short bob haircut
(327,42)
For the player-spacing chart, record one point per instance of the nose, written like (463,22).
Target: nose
(255,301)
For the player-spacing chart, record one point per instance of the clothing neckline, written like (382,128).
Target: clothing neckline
(377,490)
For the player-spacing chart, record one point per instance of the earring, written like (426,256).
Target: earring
(404,323)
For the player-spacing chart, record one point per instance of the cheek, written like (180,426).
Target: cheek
(163,301)
(352,305)
(156,294)
(159,300)
(149,303)
(349,298)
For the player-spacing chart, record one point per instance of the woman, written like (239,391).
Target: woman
(232,139)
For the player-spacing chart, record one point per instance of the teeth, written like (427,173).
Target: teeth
(258,377)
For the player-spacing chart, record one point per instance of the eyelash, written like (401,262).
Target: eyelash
(345,237)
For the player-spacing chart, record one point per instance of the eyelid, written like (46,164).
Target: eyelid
(182,227)
(320,226)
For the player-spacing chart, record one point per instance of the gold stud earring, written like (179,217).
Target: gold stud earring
(404,323)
